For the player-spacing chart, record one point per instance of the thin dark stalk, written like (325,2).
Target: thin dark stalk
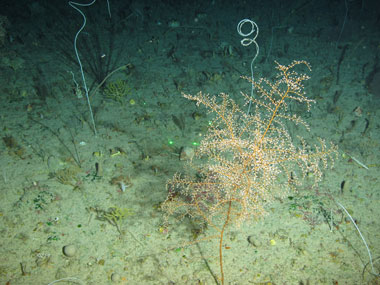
(74,154)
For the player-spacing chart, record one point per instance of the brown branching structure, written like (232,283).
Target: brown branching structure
(245,160)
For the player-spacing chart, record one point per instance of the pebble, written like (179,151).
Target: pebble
(115,277)
(69,250)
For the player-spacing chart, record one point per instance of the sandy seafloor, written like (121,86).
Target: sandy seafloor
(48,202)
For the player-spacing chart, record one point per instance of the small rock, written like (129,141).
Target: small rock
(69,250)
(187,153)
(115,277)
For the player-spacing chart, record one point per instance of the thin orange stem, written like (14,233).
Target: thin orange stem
(221,242)
(273,116)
